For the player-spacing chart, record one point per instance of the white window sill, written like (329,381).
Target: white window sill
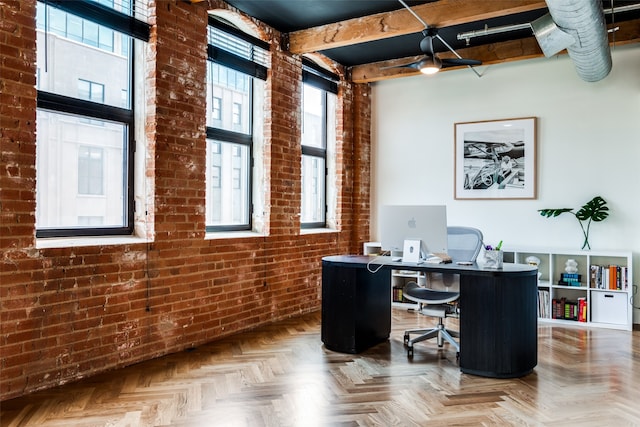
(72,242)
(304,231)
(215,235)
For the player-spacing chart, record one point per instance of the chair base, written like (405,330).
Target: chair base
(440,332)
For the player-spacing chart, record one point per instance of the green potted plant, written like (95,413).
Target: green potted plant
(594,210)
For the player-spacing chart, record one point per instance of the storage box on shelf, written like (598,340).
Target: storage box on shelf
(398,279)
(597,292)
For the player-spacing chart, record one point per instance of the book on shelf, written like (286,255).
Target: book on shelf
(557,308)
(569,310)
(582,309)
(543,304)
(397,294)
(612,277)
(570,279)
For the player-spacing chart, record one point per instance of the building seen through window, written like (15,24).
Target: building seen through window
(84,118)
(235,73)
(318,138)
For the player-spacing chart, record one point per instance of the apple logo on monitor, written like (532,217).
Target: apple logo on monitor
(412,223)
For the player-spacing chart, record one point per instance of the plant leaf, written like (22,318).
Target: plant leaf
(553,212)
(595,209)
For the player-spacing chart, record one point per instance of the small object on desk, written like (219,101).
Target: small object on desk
(464,263)
(438,258)
(396,259)
(493,259)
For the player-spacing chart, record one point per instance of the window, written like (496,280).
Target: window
(236,66)
(91,91)
(216,108)
(316,93)
(85,117)
(237,114)
(90,167)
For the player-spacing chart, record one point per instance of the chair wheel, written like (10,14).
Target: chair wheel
(410,352)
(406,339)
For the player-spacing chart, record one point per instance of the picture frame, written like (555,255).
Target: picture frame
(495,159)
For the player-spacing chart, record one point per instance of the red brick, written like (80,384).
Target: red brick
(72,312)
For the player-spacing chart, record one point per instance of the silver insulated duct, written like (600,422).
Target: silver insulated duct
(584,20)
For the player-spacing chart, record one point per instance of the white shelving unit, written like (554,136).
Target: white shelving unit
(398,279)
(605,308)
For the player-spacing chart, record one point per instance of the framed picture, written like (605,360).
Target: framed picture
(495,159)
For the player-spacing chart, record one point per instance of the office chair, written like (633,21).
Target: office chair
(464,244)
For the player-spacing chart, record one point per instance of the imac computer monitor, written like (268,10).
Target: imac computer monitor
(426,223)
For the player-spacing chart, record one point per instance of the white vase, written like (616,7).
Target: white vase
(571,266)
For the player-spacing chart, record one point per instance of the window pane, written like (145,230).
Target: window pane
(227,183)
(74,28)
(105,38)
(313,121)
(90,170)
(216,113)
(57,21)
(80,172)
(236,114)
(313,191)
(91,91)
(228,99)
(73,40)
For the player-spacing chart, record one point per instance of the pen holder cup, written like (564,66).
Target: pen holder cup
(493,259)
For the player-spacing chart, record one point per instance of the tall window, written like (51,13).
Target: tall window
(85,117)
(317,88)
(236,63)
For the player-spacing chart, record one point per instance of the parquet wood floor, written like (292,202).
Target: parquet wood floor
(280,375)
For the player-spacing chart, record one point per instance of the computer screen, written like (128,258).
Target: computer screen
(425,222)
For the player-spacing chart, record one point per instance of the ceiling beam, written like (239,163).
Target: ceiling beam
(496,53)
(442,13)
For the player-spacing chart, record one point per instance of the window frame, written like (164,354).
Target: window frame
(321,79)
(254,70)
(85,109)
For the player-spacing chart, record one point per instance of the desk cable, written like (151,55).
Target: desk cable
(370,269)
(633,294)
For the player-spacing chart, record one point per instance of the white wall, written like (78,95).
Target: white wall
(588,144)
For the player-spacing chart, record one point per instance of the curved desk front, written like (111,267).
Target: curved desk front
(498,318)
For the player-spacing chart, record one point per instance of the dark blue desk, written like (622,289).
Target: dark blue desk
(498,319)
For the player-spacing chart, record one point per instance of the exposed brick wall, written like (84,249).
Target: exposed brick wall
(361,157)
(72,312)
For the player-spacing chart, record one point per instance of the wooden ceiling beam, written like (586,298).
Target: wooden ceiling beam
(496,53)
(442,13)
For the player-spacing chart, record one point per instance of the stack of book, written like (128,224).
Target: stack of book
(544,311)
(612,277)
(570,279)
(397,294)
(569,310)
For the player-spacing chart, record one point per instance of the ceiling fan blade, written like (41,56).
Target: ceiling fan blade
(415,65)
(453,62)
(426,45)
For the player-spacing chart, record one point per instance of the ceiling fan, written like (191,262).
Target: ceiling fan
(431,63)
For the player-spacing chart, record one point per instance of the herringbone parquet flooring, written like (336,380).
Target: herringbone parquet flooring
(280,375)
